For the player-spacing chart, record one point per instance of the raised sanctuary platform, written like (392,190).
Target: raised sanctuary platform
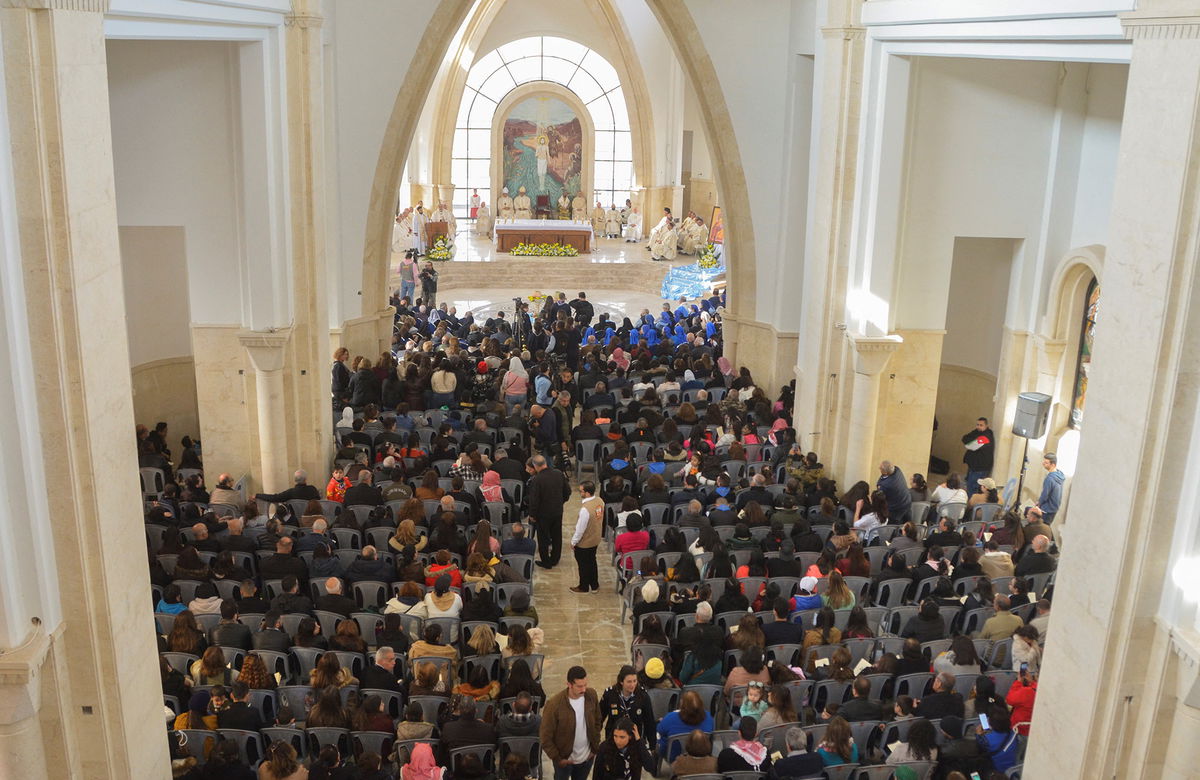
(543,231)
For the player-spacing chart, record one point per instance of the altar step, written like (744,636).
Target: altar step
(553,274)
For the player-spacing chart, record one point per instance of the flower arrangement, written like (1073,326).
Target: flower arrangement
(442,250)
(544,250)
(537,297)
(708,257)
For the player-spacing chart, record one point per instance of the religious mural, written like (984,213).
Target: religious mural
(543,149)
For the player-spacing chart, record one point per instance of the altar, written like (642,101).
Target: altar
(543,231)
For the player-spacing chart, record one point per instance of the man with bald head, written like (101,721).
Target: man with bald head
(369,567)
(202,541)
(334,601)
(224,493)
(319,536)
(236,540)
(548,491)
(1037,559)
(282,563)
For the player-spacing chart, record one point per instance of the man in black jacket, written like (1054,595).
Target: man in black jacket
(703,632)
(584,311)
(369,567)
(782,631)
(861,707)
(943,701)
(364,493)
(1038,560)
(381,675)
(236,540)
(548,492)
(334,601)
(945,536)
(299,491)
(465,730)
(980,444)
(272,637)
(290,601)
(959,752)
(508,468)
(239,714)
(229,632)
(756,492)
(798,762)
(248,600)
(283,563)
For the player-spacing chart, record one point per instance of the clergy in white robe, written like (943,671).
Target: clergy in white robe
(474,204)
(444,214)
(664,242)
(483,220)
(633,226)
(598,219)
(522,205)
(661,226)
(564,206)
(695,238)
(402,232)
(579,208)
(612,222)
(419,219)
(504,205)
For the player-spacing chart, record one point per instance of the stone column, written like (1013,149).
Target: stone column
(106,719)
(871,356)
(306,149)
(822,362)
(267,352)
(1132,487)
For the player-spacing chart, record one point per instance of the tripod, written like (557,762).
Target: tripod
(1016,502)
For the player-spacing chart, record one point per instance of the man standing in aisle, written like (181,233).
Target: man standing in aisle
(1052,486)
(570,732)
(548,491)
(895,489)
(980,444)
(586,538)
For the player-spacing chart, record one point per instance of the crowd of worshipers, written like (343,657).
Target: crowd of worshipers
(714,513)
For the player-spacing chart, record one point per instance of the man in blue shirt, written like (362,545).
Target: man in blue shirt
(895,489)
(541,386)
(1052,486)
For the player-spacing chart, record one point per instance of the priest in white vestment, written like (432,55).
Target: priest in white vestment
(695,239)
(564,206)
(444,214)
(483,220)
(523,205)
(402,232)
(579,208)
(661,226)
(633,226)
(419,219)
(664,241)
(598,220)
(504,205)
(612,222)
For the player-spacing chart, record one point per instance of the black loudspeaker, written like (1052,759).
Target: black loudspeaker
(1033,410)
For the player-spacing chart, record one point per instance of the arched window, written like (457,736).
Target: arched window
(1087,334)
(542,58)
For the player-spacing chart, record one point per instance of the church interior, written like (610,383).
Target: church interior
(901,218)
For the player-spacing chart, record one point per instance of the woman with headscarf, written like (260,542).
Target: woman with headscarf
(774,434)
(197,715)
(514,387)
(680,335)
(724,366)
(619,357)
(443,602)
(421,765)
(491,490)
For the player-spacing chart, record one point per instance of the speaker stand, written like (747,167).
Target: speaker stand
(1016,503)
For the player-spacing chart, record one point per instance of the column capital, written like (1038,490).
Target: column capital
(93,6)
(265,348)
(871,354)
(304,21)
(20,668)
(1161,20)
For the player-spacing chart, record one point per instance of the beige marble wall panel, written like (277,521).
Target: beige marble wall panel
(907,394)
(963,395)
(166,390)
(703,198)
(769,354)
(225,392)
